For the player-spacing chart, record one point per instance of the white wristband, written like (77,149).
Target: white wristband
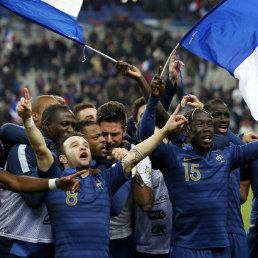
(134,170)
(52,184)
(28,123)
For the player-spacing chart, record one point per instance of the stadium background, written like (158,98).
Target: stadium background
(140,32)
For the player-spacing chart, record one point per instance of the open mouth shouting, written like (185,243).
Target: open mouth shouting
(84,155)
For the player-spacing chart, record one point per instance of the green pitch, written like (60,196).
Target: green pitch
(246,208)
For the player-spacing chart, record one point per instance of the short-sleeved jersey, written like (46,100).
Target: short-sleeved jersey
(80,221)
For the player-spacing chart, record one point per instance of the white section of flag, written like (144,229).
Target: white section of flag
(247,73)
(71,7)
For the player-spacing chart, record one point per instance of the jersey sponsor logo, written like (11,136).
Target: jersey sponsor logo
(158,214)
(71,198)
(46,219)
(186,159)
(99,184)
(159,230)
(161,199)
(220,158)
(147,170)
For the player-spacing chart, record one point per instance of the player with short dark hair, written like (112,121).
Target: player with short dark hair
(85,111)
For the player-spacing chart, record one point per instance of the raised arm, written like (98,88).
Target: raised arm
(134,73)
(144,148)
(25,184)
(43,154)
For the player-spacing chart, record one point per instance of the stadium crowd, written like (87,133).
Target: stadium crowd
(122,173)
(60,72)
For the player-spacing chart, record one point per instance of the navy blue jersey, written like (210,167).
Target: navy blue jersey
(80,221)
(22,161)
(198,187)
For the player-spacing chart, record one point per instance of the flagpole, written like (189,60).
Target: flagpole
(95,50)
(166,64)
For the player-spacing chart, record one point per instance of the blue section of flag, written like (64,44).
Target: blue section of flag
(47,16)
(227,35)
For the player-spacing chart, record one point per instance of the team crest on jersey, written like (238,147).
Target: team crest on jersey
(220,158)
(147,170)
(99,184)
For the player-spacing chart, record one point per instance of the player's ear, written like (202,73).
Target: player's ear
(35,116)
(124,131)
(186,130)
(62,159)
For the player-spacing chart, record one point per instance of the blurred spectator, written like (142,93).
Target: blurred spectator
(52,64)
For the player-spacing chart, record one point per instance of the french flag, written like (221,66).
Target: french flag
(59,16)
(228,37)
(9,36)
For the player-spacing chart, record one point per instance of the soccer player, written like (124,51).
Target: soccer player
(235,226)
(85,111)
(31,234)
(94,136)
(80,222)
(197,178)
(112,120)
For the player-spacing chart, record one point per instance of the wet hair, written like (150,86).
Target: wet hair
(79,107)
(136,106)
(112,111)
(50,112)
(59,146)
(189,115)
(80,125)
(210,104)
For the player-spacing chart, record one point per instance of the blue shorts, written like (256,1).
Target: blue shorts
(238,245)
(179,252)
(252,240)
(122,247)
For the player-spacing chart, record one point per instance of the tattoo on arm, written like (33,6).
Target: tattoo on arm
(130,160)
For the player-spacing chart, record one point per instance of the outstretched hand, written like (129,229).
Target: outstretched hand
(128,70)
(250,137)
(173,69)
(157,84)
(70,183)
(192,101)
(176,122)
(24,108)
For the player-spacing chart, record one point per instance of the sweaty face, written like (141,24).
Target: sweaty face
(113,134)
(62,124)
(221,116)
(201,132)
(88,114)
(77,153)
(96,140)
